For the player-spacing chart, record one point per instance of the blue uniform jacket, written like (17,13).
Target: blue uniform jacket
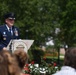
(5,35)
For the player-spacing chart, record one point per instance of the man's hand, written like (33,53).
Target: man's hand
(4,48)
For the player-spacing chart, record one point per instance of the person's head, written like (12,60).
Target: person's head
(8,64)
(22,57)
(3,64)
(70,57)
(9,19)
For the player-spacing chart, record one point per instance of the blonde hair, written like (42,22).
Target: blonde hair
(11,65)
(22,57)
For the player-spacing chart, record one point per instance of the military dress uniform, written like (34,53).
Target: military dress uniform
(6,35)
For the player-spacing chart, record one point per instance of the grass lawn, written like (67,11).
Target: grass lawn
(59,60)
(55,57)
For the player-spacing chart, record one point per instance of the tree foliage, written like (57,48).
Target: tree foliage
(68,22)
(35,18)
(38,19)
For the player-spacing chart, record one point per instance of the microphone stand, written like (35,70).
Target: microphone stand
(10,46)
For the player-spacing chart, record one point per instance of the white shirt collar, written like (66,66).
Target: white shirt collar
(8,27)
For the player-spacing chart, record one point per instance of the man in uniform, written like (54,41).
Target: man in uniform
(8,31)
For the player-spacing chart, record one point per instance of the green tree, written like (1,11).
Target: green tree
(68,22)
(37,19)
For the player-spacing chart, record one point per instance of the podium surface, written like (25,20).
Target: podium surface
(20,45)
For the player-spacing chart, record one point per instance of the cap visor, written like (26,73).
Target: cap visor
(11,18)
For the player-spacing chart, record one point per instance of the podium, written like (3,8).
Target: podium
(19,45)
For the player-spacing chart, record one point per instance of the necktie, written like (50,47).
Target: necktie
(10,30)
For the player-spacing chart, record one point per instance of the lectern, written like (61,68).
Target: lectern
(19,45)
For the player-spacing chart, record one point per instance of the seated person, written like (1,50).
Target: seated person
(69,67)
(22,58)
(8,64)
